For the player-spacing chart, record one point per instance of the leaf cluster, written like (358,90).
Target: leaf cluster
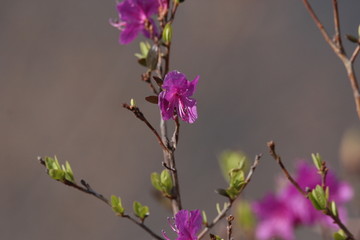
(61,173)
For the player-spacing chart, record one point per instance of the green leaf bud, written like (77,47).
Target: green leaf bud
(132,103)
(140,211)
(317,160)
(333,208)
(155,181)
(218,208)
(230,160)
(57,174)
(167,33)
(117,205)
(204,217)
(340,235)
(166,181)
(318,198)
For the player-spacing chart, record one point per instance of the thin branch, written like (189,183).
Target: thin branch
(229,227)
(141,116)
(355,53)
(338,49)
(86,188)
(321,27)
(222,214)
(143,226)
(175,137)
(327,211)
(277,158)
(337,220)
(338,40)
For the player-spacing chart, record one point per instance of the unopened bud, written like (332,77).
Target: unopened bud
(132,103)
(167,33)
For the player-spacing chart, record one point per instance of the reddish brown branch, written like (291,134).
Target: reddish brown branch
(327,211)
(141,116)
(277,158)
(86,188)
(338,49)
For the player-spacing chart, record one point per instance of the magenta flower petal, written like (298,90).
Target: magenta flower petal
(175,97)
(149,7)
(134,15)
(275,219)
(186,224)
(129,33)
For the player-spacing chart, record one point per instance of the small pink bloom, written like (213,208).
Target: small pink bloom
(176,97)
(186,224)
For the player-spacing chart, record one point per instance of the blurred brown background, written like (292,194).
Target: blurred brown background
(266,73)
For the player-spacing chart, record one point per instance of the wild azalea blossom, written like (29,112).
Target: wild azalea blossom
(134,17)
(276,219)
(176,97)
(186,224)
(291,209)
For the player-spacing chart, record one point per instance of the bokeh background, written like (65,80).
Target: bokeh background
(266,74)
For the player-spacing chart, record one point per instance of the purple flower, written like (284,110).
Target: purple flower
(275,219)
(135,17)
(176,96)
(307,177)
(186,224)
(280,214)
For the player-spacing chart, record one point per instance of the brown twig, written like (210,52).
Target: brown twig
(141,116)
(338,40)
(277,158)
(86,188)
(223,212)
(327,211)
(323,173)
(229,226)
(355,53)
(175,137)
(338,49)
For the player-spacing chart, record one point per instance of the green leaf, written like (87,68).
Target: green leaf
(333,208)
(117,205)
(140,211)
(69,175)
(56,164)
(49,162)
(144,48)
(155,181)
(218,208)
(359,31)
(167,33)
(319,197)
(245,216)
(204,217)
(57,174)
(317,160)
(166,181)
(230,160)
(314,201)
(237,178)
(340,235)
